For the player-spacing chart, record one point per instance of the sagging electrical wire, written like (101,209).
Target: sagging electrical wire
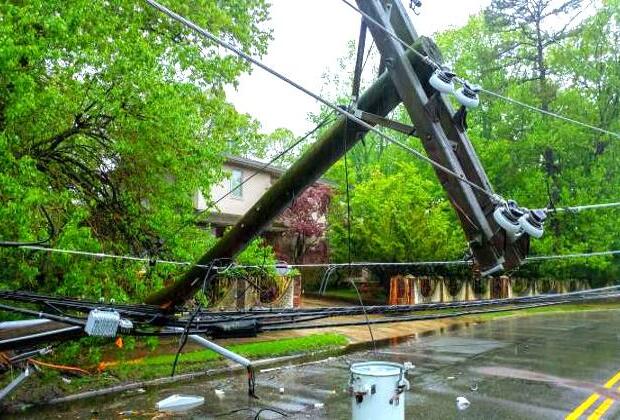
(348,197)
(435,65)
(577,209)
(571,256)
(241,266)
(503,305)
(211,318)
(463,308)
(360,63)
(549,113)
(409,318)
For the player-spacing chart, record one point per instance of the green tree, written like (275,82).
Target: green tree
(540,160)
(396,217)
(534,159)
(111,116)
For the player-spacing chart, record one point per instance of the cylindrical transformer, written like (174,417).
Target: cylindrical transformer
(377,391)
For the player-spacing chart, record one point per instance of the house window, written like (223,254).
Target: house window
(235,183)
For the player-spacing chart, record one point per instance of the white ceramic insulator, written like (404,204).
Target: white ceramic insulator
(466,101)
(441,85)
(509,226)
(533,231)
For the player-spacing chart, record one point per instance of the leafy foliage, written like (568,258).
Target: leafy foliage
(398,210)
(305,220)
(110,117)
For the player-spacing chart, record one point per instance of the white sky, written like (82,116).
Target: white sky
(308,39)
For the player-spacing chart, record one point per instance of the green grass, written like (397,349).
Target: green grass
(157,366)
(49,382)
(260,349)
(350,295)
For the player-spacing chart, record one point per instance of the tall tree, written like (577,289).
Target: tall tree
(111,116)
(529,32)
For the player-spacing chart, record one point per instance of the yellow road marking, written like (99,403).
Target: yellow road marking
(601,409)
(613,380)
(574,415)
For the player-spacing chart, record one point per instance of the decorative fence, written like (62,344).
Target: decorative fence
(257,292)
(410,290)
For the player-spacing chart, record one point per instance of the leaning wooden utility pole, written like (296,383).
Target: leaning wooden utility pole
(443,134)
(378,99)
(405,80)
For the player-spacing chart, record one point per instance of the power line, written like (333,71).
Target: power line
(576,255)
(407,318)
(361,264)
(313,95)
(549,113)
(103,255)
(429,61)
(233,266)
(357,264)
(577,209)
(147,314)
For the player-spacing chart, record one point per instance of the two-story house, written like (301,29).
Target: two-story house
(240,200)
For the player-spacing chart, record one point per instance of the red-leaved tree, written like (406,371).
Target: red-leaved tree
(306,222)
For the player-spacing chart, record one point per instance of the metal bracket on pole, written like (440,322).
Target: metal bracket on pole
(216,348)
(385,122)
(226,354)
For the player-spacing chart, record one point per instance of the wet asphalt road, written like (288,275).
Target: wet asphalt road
(543,366)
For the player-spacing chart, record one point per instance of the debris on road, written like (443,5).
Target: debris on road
(178,402)
(462,403)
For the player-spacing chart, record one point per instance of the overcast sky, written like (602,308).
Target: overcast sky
(308,39)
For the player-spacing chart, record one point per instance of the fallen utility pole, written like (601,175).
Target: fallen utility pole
(443,136)
(379,99)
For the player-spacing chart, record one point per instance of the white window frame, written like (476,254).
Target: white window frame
(236,177)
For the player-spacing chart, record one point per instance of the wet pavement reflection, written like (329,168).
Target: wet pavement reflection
(541,366)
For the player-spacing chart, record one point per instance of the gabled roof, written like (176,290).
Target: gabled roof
(257,165)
